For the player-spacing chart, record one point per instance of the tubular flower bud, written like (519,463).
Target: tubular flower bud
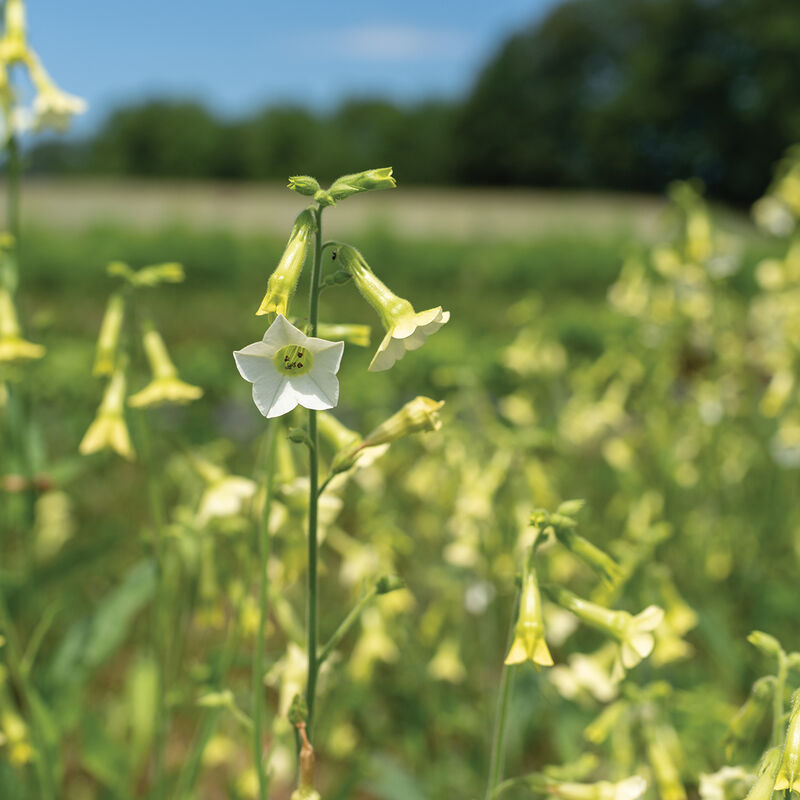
(108,430)
(52,107)
(405,328)
(12,346)
(634,633)
(303,184)
(767,644)
(789,770)
(362,182)
(339,436)
(165,387)
(282,282)
(109,335)
(419,414)
(750,715)
(764,786)
(529,643)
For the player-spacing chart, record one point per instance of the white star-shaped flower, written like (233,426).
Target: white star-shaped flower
(288,368)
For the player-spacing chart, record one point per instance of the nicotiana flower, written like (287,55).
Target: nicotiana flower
(764,786)
(728,783)
(283,280)
(165,387)
(109,335)
(108,430)
(52,107)
(288,368)
(12,346)
(750,715)
(225,496)
(406,329)
(529,643)
(634,633)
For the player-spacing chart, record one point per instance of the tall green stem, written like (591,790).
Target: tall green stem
(264,543)
(777,699)
(497,759)
(14,173)
(160,640)
(313,489)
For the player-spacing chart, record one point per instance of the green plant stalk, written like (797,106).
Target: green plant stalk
(346,624)
(313,488)
(14,172)
(497,758)
(264,544)
(160,640)
(777,699)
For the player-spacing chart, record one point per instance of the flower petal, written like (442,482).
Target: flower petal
(254,360)
(389,351)
(282,332)
(318,390)
(327,355)
(267,390)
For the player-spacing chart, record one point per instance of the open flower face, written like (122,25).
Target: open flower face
(288,368)
(409,332)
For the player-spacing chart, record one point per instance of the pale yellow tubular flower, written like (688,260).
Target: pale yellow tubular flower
(406,329)
(283,280)
(789,770)
(52,107)
(225,495)
(529,643)
(109,335)
(446,664)
(12,346)
(165,387)
(667,774)
(108,431)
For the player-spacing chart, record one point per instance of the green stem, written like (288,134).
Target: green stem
(325,483)
(777,700)
(264,544)
(14,172)
(346,625)
(160,640)
(313,489)
(497,758)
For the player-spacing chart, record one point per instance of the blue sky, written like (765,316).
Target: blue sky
(239,54)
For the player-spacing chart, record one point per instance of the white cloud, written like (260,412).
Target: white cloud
(398,43)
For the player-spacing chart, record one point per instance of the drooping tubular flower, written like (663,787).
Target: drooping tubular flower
(529,643)
(406,329)
(283,280)
(634,633)
(14,43)
(12,346)
(166,387)
(764,786)
(52,107)
(108,430)
(109,335)
(288,368)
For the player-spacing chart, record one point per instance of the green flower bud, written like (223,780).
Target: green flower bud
(389,583)
(362,182)
(767,644)
(303,184)
(324,198)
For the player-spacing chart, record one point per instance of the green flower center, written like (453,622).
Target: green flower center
(293,360)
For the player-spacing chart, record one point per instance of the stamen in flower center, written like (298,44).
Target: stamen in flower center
(293,360)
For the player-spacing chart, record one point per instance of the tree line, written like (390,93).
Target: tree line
(620,94)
